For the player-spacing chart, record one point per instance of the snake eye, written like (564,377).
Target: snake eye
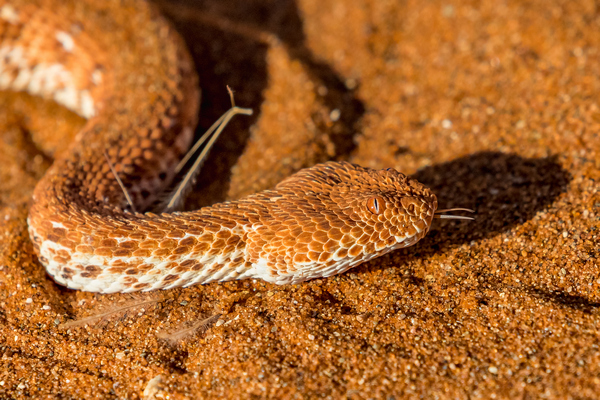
(376,205)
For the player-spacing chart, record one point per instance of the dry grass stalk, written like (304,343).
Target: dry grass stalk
(117,310)
(181,334)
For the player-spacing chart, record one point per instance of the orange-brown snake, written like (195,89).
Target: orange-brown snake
(136,85)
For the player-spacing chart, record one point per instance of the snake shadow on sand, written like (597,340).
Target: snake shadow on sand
(505,190)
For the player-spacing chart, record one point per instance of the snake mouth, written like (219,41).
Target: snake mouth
(423,226)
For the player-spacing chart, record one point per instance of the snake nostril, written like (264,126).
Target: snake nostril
(409,204)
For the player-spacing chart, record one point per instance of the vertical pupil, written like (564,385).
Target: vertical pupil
(374,206)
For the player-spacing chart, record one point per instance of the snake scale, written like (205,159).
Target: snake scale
(138,90)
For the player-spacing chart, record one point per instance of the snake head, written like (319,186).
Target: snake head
(336,215)
(392,209)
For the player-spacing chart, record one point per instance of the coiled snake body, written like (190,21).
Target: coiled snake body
(138,89)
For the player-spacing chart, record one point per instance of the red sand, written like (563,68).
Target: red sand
(494,106)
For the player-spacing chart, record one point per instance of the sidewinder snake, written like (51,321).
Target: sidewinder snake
(319,222)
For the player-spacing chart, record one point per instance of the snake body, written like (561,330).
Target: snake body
(137,87)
